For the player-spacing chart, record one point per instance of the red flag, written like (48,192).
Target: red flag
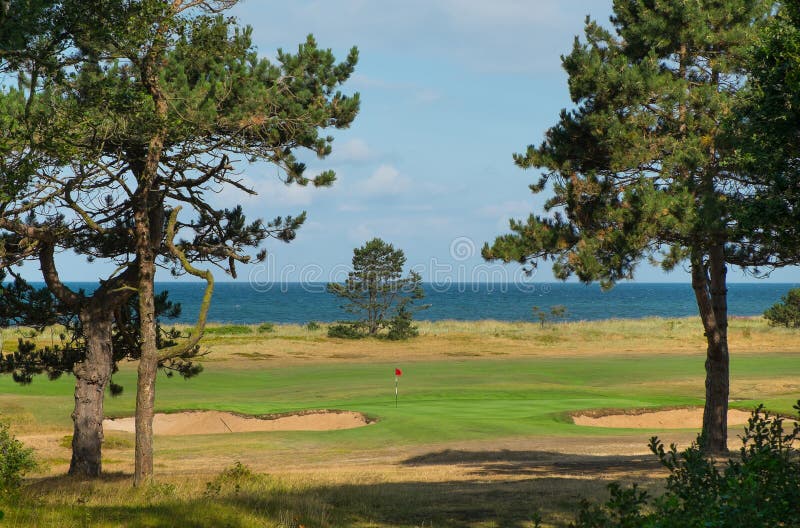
(398,372)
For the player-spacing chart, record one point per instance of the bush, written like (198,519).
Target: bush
(312,326)
(401,326)
(759,489)
(15,461)
(234,477)
(345,331)
(556,313)
(266,328)
(786,312)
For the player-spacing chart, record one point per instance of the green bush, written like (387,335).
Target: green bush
(786,312)
(233,477)
(266,328)
(15,461)
(758,489)
(401,326)
(312,326)
(346,331)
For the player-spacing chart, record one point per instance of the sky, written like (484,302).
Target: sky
(450,90)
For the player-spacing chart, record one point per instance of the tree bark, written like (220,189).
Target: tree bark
(709,284)
(148,362)
(148,230)
(94,372)
(91,378)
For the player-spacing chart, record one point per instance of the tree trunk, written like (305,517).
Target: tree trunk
(148,361)
(148,230)
(91,378)
(709,283)
(146,383)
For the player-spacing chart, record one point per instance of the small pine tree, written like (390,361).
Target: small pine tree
(401,326)
(556,312)
(786,312)
(377,293)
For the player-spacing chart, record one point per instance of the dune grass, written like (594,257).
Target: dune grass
(480,436)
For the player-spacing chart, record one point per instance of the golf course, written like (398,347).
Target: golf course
(481,433)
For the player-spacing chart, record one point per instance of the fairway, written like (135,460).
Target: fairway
(463,413)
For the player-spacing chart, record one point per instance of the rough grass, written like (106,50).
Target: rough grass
(480,436)
(228,330)
(262,500)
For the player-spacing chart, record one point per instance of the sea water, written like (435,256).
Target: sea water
(244,303)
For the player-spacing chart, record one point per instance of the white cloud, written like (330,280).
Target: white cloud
(275,192)
(351,208)
(503,212)
(427,96)
(385,181)
(360,233)
(497,36)
(416,93)
(271,192)
(311,226)
(479,15)
(354,150)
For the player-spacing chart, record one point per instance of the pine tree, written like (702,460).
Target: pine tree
(142,111)
(643,168)
(376,291)
(766,128)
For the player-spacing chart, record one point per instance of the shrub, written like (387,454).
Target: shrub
(759,489)
(265,328)
(312,326)
(401,326)
(556,313)
(15,461)
(786,312)
(159,491)
(345,331)
(235,477)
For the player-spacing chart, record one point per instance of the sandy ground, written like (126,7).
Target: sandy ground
(669,419)
(215,422)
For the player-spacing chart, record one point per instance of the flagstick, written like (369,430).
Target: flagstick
(396,380)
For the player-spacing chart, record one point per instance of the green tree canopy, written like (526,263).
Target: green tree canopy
(376,291)
(787,311)
(643,168)
(766,128)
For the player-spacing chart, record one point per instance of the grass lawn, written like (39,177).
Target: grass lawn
(481,435)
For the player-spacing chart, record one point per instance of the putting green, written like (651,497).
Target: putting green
(439,400)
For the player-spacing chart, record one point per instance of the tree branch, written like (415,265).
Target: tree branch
(199,328)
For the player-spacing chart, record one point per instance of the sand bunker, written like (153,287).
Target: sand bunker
(216,422)
(668,419)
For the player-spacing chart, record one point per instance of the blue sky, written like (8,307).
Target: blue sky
(450,90)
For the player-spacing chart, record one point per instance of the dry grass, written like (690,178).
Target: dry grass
(294,344)
(468,485)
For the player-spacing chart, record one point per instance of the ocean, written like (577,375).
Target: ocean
(243,303)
